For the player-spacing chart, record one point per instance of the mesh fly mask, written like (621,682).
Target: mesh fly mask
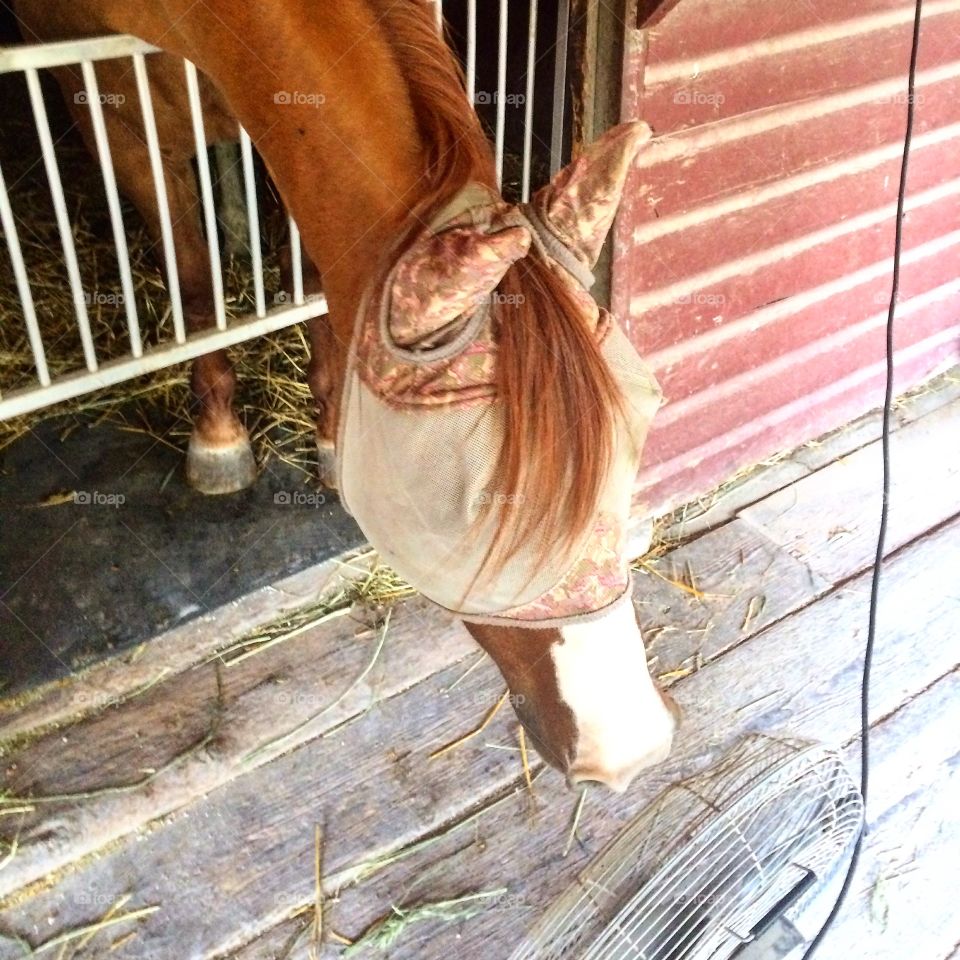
(421,425)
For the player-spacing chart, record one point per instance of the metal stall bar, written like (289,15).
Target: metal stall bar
(206,194)
(472,51)
(68,53)
(155,358)
(253,221)
(296,262)
(160,186)
(23,284)
(501,88)
(559,86)
(63,221)
(528,102)
(113,204)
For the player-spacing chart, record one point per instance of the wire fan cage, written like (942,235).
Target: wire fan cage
(716,859)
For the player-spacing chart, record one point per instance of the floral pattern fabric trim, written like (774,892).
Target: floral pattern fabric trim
(597,579)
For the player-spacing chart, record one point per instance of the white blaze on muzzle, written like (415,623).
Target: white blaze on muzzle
(622,722)
(421,425)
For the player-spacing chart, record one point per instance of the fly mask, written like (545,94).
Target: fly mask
(421,424)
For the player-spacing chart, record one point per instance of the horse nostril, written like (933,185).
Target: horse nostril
(581,783)
(593,778)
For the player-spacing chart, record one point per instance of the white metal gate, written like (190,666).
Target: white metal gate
(92,372)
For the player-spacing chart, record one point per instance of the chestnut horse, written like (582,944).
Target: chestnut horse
(373,142)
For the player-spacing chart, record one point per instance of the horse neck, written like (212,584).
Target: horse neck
(328,105)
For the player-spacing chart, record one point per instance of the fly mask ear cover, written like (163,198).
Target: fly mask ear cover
(421,424)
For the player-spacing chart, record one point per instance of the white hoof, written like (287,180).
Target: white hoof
(216,470)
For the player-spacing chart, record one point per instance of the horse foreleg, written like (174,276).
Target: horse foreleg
(325,379)
(219,457)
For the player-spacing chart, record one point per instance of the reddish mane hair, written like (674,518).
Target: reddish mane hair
(558,396)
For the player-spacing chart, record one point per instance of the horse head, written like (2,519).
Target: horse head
(490,434)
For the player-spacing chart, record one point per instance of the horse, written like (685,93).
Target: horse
(486,415)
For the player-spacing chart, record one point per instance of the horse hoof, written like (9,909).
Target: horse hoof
(216,470)
(327,463)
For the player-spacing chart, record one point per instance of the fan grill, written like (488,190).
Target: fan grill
(698,870)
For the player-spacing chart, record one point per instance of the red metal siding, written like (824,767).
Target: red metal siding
(752,255)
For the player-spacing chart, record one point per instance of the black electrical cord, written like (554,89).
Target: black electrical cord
(885,506)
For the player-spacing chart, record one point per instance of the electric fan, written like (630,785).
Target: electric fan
(740,861)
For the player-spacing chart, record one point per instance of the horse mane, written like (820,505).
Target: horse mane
(558,396)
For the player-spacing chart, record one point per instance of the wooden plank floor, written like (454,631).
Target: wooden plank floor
(151,812)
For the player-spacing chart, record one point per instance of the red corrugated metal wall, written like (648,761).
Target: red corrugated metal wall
(752,255)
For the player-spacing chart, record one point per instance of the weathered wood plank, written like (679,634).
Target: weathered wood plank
(830,519)
(175,650)
(717,591)
(903,901)
(166,728)
(245,853)
(747,583)
(912,751)
(799,678)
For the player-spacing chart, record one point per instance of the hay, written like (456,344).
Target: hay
(273,399)
(387,931)
(272,744)
(491,713)
(84,934)
(149,776)
(377,587)
(577,813)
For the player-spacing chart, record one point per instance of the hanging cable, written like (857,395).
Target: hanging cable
(885,504)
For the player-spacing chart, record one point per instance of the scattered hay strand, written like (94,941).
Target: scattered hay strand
(12,847)
(754,609)
(148,777)
(378,587)
(481,656)
(523,758)
(693,591)
(491,713)
(692,665)
(86,932)
(387,931)
(112,912)
(367,868)
(576,821)
(317,891)
(272,744)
